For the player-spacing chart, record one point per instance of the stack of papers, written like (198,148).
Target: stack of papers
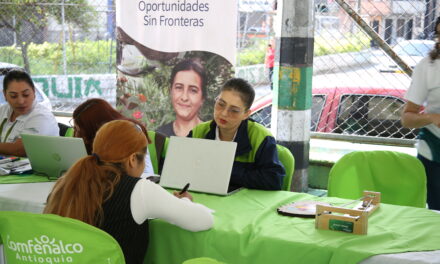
(13,165)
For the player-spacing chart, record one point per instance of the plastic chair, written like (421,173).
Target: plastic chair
(157,150)
(47,238)
(202,261)
(288,161)
(399,177)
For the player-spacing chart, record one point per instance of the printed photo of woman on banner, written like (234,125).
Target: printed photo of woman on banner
(172,59)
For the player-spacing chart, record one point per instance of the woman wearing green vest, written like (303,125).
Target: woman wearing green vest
(256,163)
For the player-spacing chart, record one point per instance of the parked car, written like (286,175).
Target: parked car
(410,51)
(39,94)
(349,110)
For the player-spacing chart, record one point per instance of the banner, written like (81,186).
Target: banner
(172,58)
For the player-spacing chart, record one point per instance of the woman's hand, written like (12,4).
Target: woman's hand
(185,194)
(435,119)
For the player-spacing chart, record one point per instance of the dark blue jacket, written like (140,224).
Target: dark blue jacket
(256,163)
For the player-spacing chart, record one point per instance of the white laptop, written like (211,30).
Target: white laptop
(52,156)
(205,164)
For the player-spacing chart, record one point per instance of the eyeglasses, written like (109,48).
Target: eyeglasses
(221,105)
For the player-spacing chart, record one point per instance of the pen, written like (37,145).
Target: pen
(184,188)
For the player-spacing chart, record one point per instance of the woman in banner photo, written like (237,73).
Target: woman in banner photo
(89,116)
(22,114)
(424,92)
(104,190)
(187,93)
(256,164)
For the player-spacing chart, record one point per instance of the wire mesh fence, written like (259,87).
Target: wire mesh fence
(357,88)
(69,48)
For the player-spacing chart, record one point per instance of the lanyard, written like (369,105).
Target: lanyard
(7,132)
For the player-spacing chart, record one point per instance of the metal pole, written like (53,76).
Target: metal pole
(292,97)
(370,32)
(64,40)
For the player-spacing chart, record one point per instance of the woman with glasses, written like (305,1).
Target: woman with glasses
(256,163)
(422,110)
(22,114)
(188,93)
(104,190)
(89,116)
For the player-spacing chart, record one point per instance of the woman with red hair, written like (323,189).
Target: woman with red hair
(89,116)
(105,190)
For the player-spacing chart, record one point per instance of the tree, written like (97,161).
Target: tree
(28,19)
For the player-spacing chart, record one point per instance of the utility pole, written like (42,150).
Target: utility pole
(292,98)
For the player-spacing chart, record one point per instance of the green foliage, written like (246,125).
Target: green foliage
(83,57)
(348,43)
(31,18)
(255,53)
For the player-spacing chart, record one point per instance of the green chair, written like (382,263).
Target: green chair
(65,130)
(47,238)
(202,261)
(399,177)
(157,150)
(288,161)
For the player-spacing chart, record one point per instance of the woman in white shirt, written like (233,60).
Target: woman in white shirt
(425,92)
(105,190)
(22,114)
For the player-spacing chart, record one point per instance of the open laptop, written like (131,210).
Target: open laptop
(51,155)
(205,164)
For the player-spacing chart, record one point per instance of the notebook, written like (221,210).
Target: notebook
(205,164)
(52,156)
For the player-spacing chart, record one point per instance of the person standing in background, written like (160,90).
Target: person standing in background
(269,61)
(424,92)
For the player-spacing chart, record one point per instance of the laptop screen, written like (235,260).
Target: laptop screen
(51,155)
(205,164)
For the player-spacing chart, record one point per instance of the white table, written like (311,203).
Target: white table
(31,197)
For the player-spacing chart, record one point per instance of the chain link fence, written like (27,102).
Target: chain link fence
(67,45)
(70,50)
(357,88)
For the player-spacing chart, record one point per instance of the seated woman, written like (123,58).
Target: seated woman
(256,164)
(89,116)
(104,190)
(22,114)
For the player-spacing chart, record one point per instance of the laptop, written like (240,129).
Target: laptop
(205,164)
(52,155)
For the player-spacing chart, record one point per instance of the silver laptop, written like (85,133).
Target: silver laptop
(52,156)
(205,164)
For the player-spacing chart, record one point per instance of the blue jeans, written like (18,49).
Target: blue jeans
(432,169)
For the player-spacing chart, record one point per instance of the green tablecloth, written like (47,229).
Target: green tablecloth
(249,230)
(25,178)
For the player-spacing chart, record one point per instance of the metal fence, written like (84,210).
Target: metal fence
(357,88)
(69,48)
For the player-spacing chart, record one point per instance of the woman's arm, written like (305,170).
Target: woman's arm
(265,173)
(15,148)
(413,118)
(149,200)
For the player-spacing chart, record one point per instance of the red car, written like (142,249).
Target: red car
(347,110)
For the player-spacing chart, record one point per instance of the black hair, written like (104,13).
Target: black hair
(243,87)
(17,75)
(190,65)
(435,53)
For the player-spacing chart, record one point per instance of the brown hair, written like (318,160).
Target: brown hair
(435,53)
(91,115)
(81,192)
